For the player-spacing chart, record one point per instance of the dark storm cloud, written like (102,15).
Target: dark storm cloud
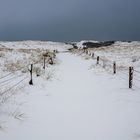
(69,20)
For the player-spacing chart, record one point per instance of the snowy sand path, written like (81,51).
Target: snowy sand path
(79,104)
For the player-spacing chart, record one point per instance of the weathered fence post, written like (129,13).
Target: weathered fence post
(98,59)
(114,67)
(130,76)
(44,65)
(31,72)
(93,55)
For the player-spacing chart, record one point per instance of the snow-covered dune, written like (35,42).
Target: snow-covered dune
(36,45)
(125,54)
(73,99)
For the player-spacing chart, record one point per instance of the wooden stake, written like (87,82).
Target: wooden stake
(93,55)
(44,65)
(31,72)
(98,59)
(114,67)
(130,76)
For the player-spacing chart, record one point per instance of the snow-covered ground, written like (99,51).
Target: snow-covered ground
(36,45)
(125,54)
(82,101)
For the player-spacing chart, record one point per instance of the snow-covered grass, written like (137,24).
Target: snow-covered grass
(14,76)
(74,100)
(36,45)
(125,54)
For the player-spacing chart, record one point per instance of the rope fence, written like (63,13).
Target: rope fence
(12,77)
(13,86)
(127,73)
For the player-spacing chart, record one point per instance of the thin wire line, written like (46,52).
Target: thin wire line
(137,71)
(6,75)
(13,86)
(10,79)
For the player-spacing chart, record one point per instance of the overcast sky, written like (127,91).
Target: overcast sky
(69,20)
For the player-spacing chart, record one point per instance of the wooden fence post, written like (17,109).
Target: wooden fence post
(130,76)
(98,59)
(93,55)
(44,65)
(31,72)
(114,67)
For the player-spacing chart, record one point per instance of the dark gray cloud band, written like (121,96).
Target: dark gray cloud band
(69,20)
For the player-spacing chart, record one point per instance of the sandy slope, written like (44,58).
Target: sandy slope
(79,104)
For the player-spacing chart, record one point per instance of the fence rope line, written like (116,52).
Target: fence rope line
(9,82)
(138,76)
(27,66)
(13,86)
(6,75)
(11,79)
(137,79)
(124,73)
(137,71)
(110,63)
(136,86)
(107,63)
(16,71)
(123,78)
